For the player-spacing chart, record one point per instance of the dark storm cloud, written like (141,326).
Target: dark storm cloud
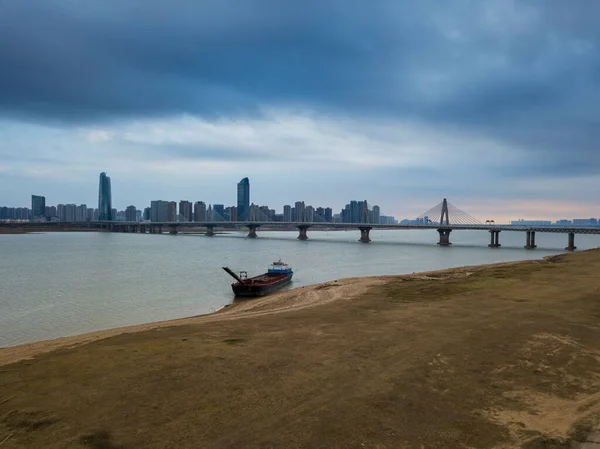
(63,58)
(526,72)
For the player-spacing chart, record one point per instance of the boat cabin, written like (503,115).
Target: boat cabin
(279,267)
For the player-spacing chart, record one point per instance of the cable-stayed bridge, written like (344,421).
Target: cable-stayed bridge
(444,218)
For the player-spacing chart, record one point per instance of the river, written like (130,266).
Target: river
(62,284)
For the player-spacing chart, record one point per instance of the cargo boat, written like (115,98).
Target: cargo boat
(278,275)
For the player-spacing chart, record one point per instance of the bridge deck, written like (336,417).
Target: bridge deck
(230,224)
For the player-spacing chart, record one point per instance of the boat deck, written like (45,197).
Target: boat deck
(265,279)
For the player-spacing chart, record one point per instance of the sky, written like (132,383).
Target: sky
(493,104)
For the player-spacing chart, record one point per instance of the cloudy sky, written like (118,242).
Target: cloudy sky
(494,104)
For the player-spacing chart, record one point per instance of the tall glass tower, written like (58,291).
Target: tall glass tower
(104,199)
(243,199)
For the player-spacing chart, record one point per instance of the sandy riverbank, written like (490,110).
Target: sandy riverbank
(288,300)
(489,357)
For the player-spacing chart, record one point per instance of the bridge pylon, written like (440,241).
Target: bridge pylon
(445,213)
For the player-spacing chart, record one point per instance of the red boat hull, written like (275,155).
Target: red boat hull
(261,285)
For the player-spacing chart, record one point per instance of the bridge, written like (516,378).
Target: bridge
(450,219)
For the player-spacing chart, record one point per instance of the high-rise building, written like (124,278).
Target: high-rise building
(95,214)
(328,214)
(172,211)
(243,199)
(287,213)
(81,213)
(355,211)
(199,211)
(67,212)
(376,214)
(218,212)
(105,210)
(263,213)
(61,212)
(51,212)
(209,213)
(159,210)
(21,213)
(146,214)
(185,211)
(232,213)
(90,214)
(253,213)
(38,206)
(309,214)
(300,211)
(131,213)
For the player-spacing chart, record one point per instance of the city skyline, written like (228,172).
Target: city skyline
(491,104)
(355,211)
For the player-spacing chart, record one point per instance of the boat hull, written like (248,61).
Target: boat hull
(254,289)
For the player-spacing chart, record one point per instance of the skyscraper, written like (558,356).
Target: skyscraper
(38,206)
(81,213)
(232,212)
(172,211)
(300,211)
(218,212)
(70,212)
(287,213)
(61,212)
(199,211)
(104,199)
(185,211)
(159,210)
(376,214)
(243,199)
(131,213)
(309,214)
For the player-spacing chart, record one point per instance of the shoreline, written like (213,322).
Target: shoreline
(280,302)
(512,349)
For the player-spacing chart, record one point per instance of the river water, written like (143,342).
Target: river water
(61,284)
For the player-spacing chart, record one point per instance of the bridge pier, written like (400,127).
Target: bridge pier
(210,231)
(142,229)
(160,229)
(302,232)
(571,245)
(495,239)
(173,229)
(530,243)
(252,232)
(444,237)
(364,234)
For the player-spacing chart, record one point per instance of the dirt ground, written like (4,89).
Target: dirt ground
(503,356)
